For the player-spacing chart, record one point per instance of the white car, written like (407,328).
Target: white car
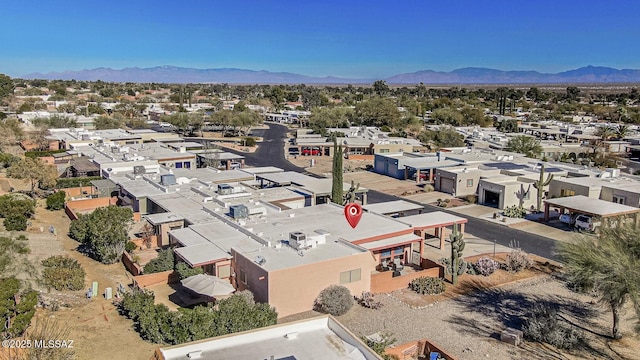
(584,222)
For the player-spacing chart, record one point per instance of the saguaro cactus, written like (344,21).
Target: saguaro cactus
(540,184)
(458,265)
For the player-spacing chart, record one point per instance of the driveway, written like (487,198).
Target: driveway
(271,153)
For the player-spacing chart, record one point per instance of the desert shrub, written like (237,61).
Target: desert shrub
(471,199)
(163,262)
(486,266)
(11,204)
(62,273)
(249,141)
(514,211)
(543,324)
(184,270)
(64,183)
(368,300)
(157,324)
(427,285)
(379,347)
(19,312)
(517,260)
(429,188)
(55,201)
(130,246)
(335,300)
(15,222)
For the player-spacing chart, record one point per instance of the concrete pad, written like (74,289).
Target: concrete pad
(429,197)
(474,246)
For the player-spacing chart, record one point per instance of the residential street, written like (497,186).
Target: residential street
(271,153)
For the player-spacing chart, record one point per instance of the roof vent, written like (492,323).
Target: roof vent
(260,260)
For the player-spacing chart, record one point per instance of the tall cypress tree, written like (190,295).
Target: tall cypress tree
(337,185)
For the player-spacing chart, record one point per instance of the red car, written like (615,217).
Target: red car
(312,151)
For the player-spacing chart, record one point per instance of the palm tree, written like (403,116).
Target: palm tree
(623,131)
(605,132)
(609,264)
(526,145)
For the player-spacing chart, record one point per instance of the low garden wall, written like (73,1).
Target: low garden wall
(384,282)
(71,208)
(413,349)
(165,277)
(127,260)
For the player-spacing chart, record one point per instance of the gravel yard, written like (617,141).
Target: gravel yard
(469,326)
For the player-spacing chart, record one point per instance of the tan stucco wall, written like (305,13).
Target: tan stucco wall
(557,185)
(632,198)
(293,290)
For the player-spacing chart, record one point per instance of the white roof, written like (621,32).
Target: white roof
(432,219)
(201,254)
(386,243)
(391,207)
(592,206)
(317,338)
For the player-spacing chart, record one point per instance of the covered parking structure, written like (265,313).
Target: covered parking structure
(437,221)
(397,208)
(602,209)
(419,166)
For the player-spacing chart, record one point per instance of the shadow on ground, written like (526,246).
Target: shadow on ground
(505,308)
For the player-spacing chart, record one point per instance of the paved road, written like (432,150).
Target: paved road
(271,153)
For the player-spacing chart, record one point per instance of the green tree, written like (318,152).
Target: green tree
(376,111)
(16,203)
(34,171)
(526,145)
(104,231)
(62,273)
(380,87)
(337,186)
(445,136)
(55,201)
(607,264)
(163,262)
(15,222)
(16,306)
(107,122)
(6,86)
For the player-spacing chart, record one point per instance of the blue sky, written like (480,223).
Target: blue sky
(356,39)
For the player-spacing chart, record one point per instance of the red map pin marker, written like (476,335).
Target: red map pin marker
(353,213)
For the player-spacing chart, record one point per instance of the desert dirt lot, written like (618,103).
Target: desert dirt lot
(97,329)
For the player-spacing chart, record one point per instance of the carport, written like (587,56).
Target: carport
(581,204)
(437,220)
(419,165)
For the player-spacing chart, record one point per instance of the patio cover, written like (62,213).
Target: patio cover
(590,206)
(208,285)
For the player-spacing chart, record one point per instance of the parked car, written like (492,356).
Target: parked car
(423,176)
(294,151)
(311,151)
(585,222)
(567,219)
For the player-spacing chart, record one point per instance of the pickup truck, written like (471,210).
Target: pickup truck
(584,222)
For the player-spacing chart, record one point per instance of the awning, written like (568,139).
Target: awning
(208,285)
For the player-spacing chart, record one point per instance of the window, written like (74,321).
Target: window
(469,182)
(567,192)
(384,151)
(178,165)
(618,199)
(350,276)
(243,276)
(526,195)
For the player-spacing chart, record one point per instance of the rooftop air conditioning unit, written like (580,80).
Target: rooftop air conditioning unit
(168,179)
(260,260)
(297,239)
(225,189)
(239,212)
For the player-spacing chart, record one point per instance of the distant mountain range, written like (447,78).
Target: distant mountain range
(173,74)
